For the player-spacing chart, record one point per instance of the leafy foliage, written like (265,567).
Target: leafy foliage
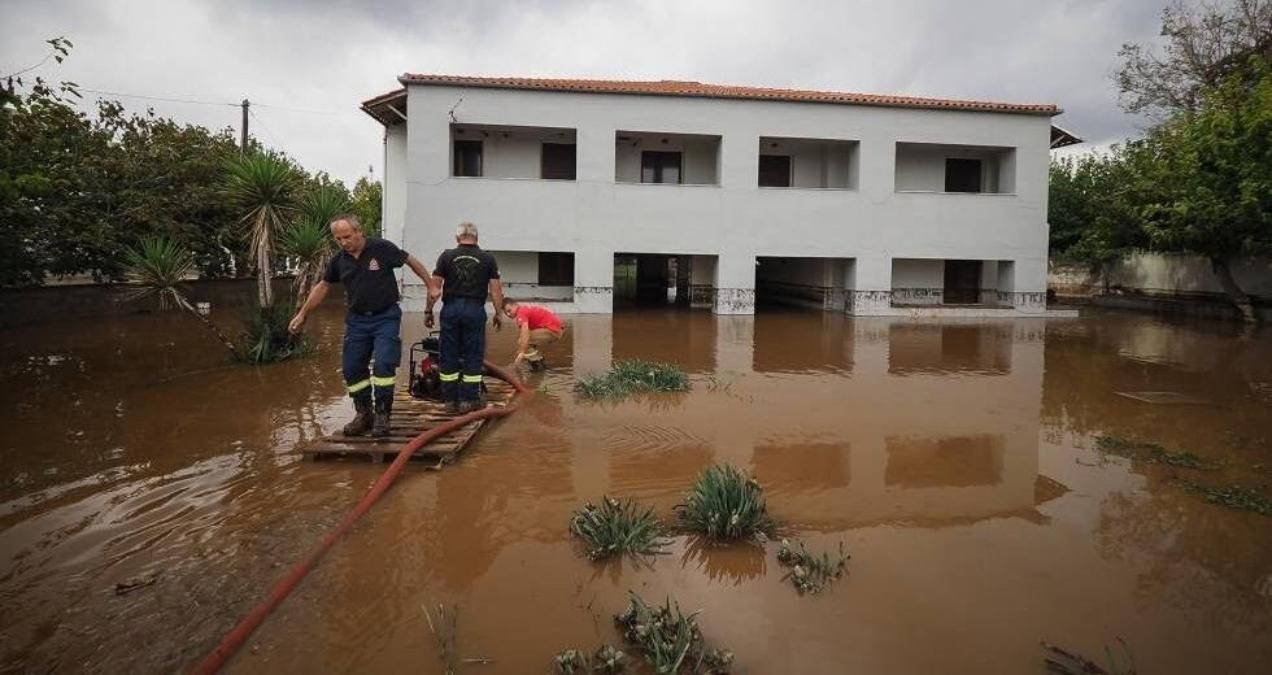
(810,573)
(78,190)
(366,201)
(605,661)
(635,376)
(266,338)
(266,187)
(1199,183)
(617,528)
(670,641)
(1234,497)
(725,504)
(159,267)
(1151,453)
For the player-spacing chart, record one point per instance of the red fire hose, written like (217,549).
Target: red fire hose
(215,660)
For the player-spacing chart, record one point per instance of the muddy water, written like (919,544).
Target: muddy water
(956,462)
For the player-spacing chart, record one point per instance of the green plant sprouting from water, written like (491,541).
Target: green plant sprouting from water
(1233,497)
(617,528)
(670,641)
(1059,661)
(810,573)
(1151,453)
(725,504)
(266,338)
(635,376)
(605,661)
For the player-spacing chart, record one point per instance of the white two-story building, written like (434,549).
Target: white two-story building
(601,194)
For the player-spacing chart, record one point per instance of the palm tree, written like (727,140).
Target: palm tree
(159,267)
(266,186)
(308,241)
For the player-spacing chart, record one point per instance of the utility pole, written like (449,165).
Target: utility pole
(243,137)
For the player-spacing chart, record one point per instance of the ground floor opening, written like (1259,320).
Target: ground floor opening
(663,280)
(926,282)
(807,283)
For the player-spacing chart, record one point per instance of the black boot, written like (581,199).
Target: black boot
(383,410)
(361,423)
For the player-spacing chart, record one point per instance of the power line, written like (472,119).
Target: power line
(156,98)
(264,126)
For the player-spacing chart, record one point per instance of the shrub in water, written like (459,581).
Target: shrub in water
(606,661)
(670,641)
(633,377)
(725,503)
(617,528)
(809,572)
(267,339)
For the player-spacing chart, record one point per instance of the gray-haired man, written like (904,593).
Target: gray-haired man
(468,275)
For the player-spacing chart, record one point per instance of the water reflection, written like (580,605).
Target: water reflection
(812,406)
(949,348)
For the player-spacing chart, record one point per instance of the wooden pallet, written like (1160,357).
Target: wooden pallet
(411,416)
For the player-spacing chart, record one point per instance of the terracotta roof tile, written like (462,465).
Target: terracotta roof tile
(699,89)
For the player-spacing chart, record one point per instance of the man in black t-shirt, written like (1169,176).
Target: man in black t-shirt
(468,275)
(364,266)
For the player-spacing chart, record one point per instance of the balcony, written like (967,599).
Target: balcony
(955,169)
(808,163)
(654,158)
(512,152)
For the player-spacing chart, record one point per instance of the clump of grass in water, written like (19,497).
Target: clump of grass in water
(1063,662)
(725,504)
(1233,497)
(809,572)
(670,641)
(617,528)
(636,376)
(606,661)
(1150,452)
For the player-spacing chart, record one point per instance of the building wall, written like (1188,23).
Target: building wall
(519,271)
(735,221)
(393,210)
(1162,274)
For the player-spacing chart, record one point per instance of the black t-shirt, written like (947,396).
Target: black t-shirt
(467,270)
(369,283)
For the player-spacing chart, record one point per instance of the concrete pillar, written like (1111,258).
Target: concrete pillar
(735,284)
(871,286)
(702,281)
(1023,285)
(594,281)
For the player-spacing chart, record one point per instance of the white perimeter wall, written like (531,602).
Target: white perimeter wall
(596,216)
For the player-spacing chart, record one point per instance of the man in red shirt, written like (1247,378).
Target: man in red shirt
(537,326)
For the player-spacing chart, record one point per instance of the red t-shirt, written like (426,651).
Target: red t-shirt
(538,317)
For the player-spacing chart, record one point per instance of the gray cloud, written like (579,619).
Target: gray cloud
(314,61)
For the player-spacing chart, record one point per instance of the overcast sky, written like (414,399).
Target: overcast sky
(308,63)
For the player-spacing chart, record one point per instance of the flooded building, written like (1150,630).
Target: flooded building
(598,195)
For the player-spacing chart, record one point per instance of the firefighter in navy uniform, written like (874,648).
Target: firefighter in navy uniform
(467,276)
(364,266)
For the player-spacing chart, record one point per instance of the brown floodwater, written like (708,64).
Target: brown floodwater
(955,460)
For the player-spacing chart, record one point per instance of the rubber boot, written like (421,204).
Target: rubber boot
(362,421)
(383,411)
(380,423)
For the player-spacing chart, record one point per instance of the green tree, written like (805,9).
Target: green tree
(1214,170)
(308,240)
(368,196)
(266,187)
(159,267)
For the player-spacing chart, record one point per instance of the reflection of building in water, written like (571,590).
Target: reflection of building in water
(668,336)
(783,343)
(839,438)
(944,462)
(917,348)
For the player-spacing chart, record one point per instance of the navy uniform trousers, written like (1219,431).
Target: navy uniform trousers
(368,335)
(463,348)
